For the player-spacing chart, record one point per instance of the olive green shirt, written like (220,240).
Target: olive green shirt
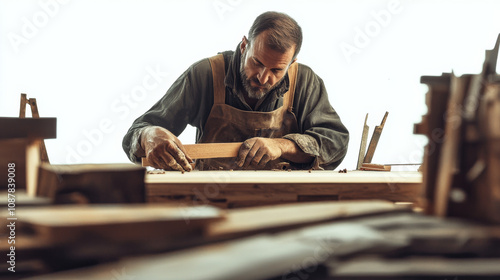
(190,99)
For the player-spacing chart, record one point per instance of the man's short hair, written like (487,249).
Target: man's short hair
(284,32)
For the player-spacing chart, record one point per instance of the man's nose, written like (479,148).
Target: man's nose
(264,76)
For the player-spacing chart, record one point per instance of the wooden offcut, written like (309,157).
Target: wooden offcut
(208,150)
(375,167)
(374,141)
(92,183)
(20,143)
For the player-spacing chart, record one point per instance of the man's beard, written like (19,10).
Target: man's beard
(253,92)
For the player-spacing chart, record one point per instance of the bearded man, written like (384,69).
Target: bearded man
(258,95)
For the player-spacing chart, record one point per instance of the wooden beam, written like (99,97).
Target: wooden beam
(208,150)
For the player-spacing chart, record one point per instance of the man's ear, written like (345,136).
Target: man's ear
(244,44)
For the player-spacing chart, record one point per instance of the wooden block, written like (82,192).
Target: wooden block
(208,150)
(43,128)
(24,155)
(375,167)
(92,183)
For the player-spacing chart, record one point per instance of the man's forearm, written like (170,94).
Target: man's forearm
(292,152)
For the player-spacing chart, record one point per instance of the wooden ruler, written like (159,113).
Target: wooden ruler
(208,150)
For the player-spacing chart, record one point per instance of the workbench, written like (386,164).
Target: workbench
(233,189)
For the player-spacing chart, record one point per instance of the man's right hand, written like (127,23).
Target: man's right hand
(164,150)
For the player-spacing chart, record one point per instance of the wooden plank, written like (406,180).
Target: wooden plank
(362,147)
(282,177)
(92,183)
(24,153)
(118,222)
(263,219)
(238,259)
(415,267)
(433,127)
(377,132)
(450,157)
(23,128)
(240,187)
(208,150)
(22,107)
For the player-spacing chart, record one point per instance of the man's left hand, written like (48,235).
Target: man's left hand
(259,151)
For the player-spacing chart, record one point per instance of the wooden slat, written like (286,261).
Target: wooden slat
(208,150)
(262,219)
(362,148)
(374,141)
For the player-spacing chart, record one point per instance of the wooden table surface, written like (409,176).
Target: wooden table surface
(231,189)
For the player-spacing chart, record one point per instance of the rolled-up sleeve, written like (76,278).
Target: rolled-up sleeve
(323,135)
(187,101)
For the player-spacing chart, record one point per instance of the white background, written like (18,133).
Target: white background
(89,63)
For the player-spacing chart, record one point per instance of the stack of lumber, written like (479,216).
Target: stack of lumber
(20,148)
(462,158)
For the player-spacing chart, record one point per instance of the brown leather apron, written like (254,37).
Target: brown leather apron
(227,124)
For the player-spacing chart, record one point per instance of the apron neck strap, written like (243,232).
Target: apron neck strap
(292,78)
(219,75)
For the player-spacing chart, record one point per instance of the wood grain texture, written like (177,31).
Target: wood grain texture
(61,224)
(230,189)
(263,219)
(92,183)
(208,150)
(25,154)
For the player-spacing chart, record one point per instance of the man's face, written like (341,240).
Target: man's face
(262,68)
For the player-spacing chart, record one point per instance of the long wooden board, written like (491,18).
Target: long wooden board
(114,222)
(208,150)
(232,189)
(268,218)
